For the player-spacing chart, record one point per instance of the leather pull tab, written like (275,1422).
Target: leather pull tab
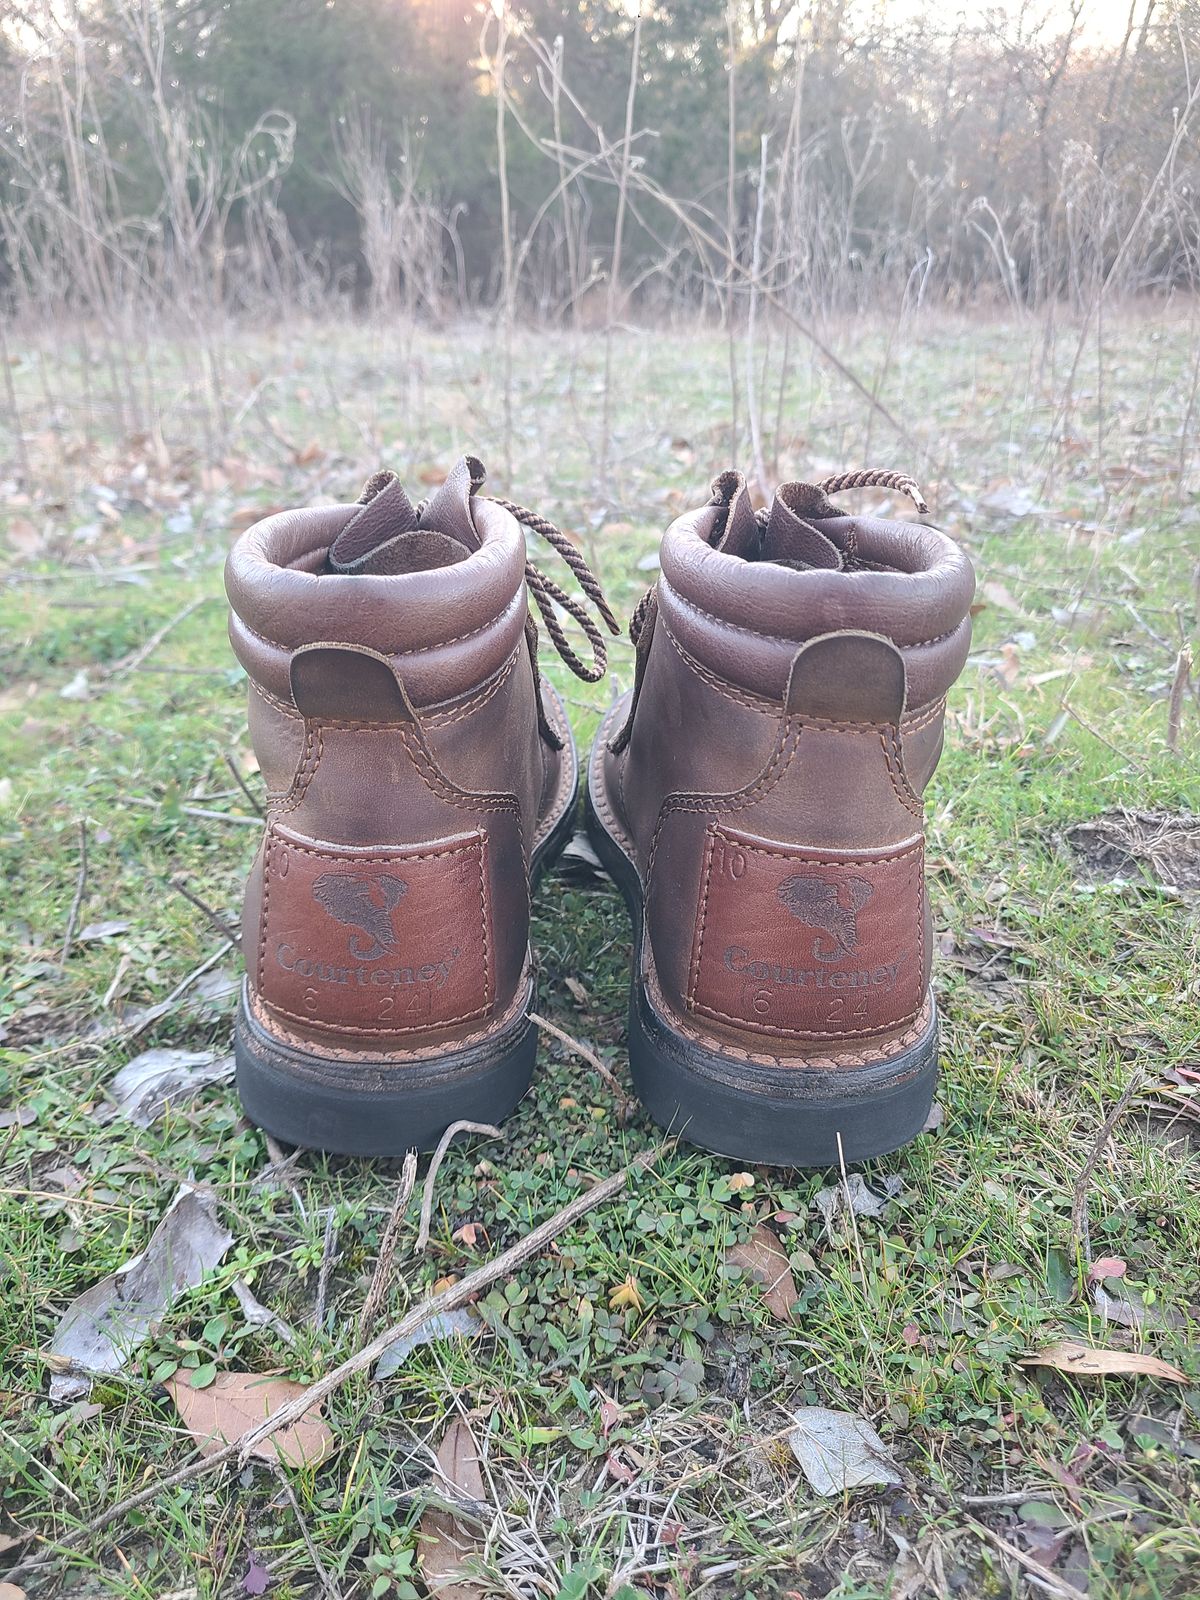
(347,683)
(848,677)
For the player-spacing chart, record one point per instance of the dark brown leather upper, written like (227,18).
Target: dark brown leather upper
(768,787)
(395,719)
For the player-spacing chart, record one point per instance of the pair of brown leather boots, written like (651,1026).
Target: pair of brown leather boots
(756,796)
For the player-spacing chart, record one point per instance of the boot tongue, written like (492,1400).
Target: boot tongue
(387,535)
(789,539)
(739,534)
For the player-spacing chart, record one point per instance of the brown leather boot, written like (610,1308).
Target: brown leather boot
(758,800)
(420,774)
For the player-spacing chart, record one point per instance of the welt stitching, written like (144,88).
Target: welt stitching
(797,1033)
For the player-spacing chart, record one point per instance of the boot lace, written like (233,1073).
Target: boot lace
(548,594)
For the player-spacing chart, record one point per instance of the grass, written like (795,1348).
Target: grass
(1060,984)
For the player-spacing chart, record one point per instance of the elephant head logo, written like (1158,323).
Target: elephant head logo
(830,907)
(365,902)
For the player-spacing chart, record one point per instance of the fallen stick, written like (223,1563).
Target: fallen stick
(80,891)
(585,1053)
(485,1128)
(447,1299)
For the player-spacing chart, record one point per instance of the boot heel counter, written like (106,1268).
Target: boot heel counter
(374,941)
(808,943)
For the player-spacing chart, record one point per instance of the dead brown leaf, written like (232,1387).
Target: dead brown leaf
(1069,1355)
(445,1541)
(235,1401)
(764,1259)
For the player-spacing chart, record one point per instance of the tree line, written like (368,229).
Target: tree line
(567,162)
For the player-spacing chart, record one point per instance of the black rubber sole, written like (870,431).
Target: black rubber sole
(810,1117)
(383,1108)
(359,1109)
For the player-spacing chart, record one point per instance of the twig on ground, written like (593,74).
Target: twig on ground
(132,662)
(213,918)
(243,785)
(326,1581)
(435,1162)
(625,1104)
(1080,1236)
(381,1278)
(1071,712)
(1183,673)
(1053,1582)
(221,816)
(261,1316)
(80,891)
(448,1299)
(328,1255)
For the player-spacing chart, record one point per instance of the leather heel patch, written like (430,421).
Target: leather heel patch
(376,941)
(815,944)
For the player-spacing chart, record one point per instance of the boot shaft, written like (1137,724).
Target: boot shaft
(759,797)
(394,709)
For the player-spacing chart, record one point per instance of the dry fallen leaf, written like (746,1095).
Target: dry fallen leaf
(235,1401)
(764,1259)
(1068,1355)
(625,1294)
(839,1451)
(101,1329)
(446,1542)
(446,1325)
(145,1086)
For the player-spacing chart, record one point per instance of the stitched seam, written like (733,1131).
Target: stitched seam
(441,787)
(808,856)
(857,1058)
(778,638)
(719,804)
(383,1028)
(384,650)
(922,719)
(281,706)
(338,1056)
(698,946)
(797,1033)
(344,853)
(899,778)
(443,719)
(314,745)
(720,686)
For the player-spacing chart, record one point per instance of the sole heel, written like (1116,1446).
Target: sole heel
(380,1108)
(780,1116)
